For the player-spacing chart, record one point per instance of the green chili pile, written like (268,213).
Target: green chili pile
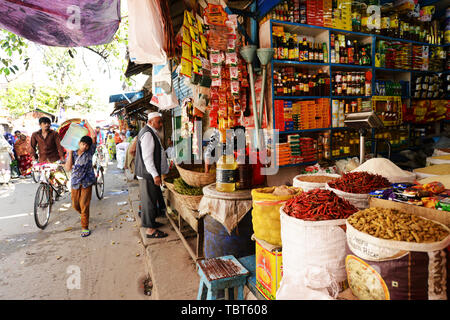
(183,188)
(318,204)
(360,182)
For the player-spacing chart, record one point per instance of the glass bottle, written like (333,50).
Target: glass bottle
(350,52)
(332,49)
(325,52)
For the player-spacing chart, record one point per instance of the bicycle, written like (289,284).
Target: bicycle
(98,164)
(53,185)
(35,173)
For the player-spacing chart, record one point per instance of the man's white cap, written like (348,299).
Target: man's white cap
(153,115)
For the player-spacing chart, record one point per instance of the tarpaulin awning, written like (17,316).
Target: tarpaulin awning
(132,96)
(62,23)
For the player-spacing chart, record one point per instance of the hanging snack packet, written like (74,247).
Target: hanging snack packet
(216,58)
(234,73)
(186,67)
(186,51)
(215,72)
(234,86)
(231,59)
(196,48)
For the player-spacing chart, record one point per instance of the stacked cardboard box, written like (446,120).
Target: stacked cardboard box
(296,152)
(283,154)
(308,149)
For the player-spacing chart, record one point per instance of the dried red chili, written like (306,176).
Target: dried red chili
(318,205)
(360,182)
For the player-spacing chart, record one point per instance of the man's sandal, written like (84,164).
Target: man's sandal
(157,235)
(85,232)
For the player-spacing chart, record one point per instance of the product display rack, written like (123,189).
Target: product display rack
(324,33)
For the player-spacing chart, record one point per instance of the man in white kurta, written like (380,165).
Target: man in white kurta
(151,163)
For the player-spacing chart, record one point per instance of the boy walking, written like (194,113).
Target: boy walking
(83,177)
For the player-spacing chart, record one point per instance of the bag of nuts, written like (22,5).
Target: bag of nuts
(393,255)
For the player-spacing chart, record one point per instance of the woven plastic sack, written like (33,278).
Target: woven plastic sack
(381,269)
(266,214)
(359,200)
(307,186)
(313,258)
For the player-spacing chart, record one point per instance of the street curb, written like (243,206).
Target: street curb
(169,265)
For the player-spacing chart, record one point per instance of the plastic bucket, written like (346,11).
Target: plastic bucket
(73,136)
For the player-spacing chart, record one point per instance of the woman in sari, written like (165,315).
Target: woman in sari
(111,144)
(23,152)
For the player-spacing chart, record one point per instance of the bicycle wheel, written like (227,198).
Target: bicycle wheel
(36,175)
(100,184)
(42,205)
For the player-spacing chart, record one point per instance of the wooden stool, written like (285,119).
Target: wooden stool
(222,273)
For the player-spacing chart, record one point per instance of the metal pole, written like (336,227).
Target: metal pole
(362,148)
(255,108)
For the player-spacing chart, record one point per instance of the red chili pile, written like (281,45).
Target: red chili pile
(318,204)
(360,182)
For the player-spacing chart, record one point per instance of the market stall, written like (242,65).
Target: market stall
(262,97)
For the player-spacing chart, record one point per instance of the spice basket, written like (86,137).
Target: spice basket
(196,178)
(191,202)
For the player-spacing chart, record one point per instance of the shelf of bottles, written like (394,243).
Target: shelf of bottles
(342,70)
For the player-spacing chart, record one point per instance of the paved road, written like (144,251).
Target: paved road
(56,263)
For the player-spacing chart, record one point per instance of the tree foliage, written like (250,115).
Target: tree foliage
(69,84)
(12,48)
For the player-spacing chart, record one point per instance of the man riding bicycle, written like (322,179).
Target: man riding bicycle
(48,143)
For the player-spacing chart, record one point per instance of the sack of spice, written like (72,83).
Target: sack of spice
(313,237)
(356,186)
(266,211)
(394,255)
(313,181)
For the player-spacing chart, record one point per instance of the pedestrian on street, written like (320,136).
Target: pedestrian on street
(83,177)
(48,143)
(100,136)
(117,137)
(111,144)
(22,148)
(151,163)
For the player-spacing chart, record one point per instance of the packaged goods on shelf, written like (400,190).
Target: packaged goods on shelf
(288,81)
(428,86)
(351,83)
(345,143)
(297,47)
(389,109)
(345,51)
(352,16)
(397,137)
(391,88)
(301,114)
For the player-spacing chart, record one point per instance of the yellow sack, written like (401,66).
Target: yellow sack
(266,213)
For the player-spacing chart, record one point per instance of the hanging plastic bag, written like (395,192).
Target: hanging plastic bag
(163,93)
(146,32)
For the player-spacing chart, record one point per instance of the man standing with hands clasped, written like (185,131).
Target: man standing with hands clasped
(151,163)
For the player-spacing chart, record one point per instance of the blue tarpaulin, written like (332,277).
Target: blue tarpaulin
(132,96)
